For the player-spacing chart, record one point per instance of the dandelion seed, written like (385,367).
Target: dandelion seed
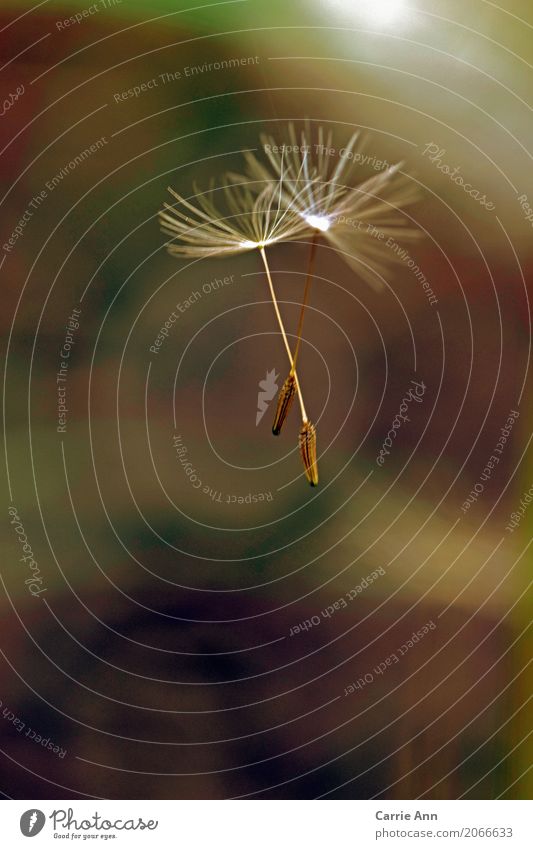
(358,219)
(307,442)
(252,222)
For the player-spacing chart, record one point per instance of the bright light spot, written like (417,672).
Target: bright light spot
(249,244)
(384,11)
(319,222)
(377,11)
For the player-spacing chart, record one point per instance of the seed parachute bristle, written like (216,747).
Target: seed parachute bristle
(362,219)
(307,443)
(285,399)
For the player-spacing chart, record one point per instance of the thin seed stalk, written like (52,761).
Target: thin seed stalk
(283,333)
(288,390)
(309,277)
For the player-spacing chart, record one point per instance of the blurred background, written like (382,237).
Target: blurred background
(152,643)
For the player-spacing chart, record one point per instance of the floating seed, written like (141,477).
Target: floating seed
(285,399)
(307,441)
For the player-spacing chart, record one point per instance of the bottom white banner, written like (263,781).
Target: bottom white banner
(263,824)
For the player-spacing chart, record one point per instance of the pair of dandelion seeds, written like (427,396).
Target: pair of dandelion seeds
(299,190)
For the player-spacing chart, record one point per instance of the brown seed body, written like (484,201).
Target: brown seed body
(307,443)
(285,399)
